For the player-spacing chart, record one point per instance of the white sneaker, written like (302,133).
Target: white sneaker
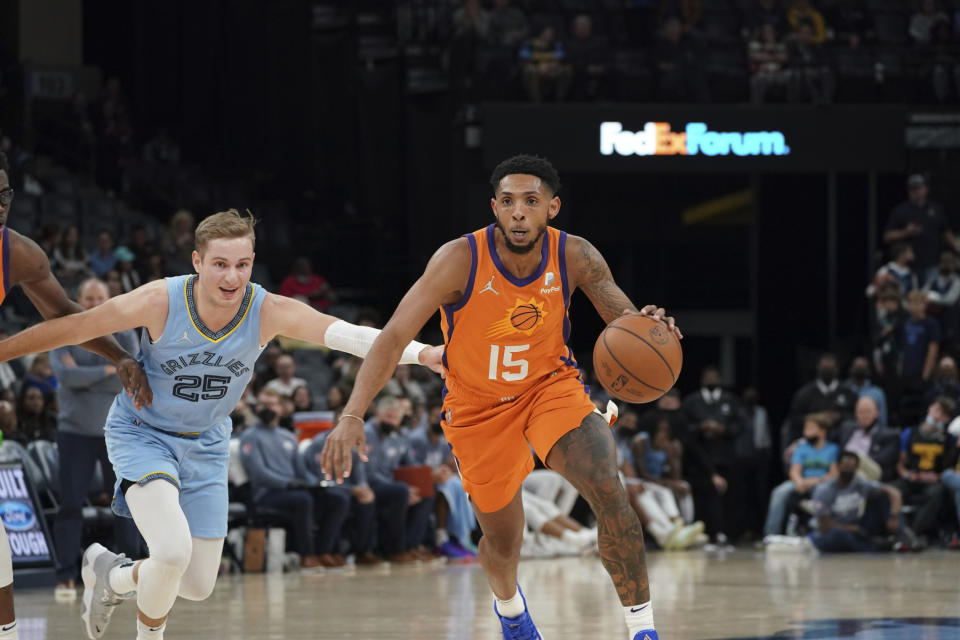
(688,535)
(99,600)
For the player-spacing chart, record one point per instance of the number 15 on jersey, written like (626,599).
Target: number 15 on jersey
(510,371)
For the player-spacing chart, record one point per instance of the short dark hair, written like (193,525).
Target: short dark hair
(4,165)
(848,454)
(529,165)
(948,404)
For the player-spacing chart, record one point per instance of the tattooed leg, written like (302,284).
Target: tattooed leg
(587,457)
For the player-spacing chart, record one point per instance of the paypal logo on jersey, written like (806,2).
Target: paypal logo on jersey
(17,516)
(657,139)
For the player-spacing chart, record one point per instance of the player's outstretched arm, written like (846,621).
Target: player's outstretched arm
(589,271)
(145,306)
(282,316)
(442,282)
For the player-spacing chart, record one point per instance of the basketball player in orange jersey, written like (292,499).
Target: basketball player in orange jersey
(512,383)
(23,262)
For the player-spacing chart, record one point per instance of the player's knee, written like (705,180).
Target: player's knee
(172,555)
(503,545)
(197,587)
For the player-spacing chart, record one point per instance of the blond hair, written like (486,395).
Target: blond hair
(226,224)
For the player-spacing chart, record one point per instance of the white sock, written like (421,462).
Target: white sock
(121,578)
(146,632)
(639,617)
(11,631)
(442,536)
(511,608)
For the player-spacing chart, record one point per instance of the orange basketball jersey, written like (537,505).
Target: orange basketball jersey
(506,334)
(4,263)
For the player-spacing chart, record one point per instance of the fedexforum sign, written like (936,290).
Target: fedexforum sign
(657,139)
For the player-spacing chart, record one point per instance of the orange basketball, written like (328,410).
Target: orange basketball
(637,359)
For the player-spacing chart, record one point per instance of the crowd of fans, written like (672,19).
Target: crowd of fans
(693,51)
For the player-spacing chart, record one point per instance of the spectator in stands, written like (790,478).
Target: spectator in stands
(129,278)
(753,454)
(162,149)
(546,73)
(114,283)
(945,381)
(823,394)
(34,417)
(589,56)
(337,397)
(403,512)
(302,399)
(88,384)
(142,246)
(896,271)
(70,260)
(802,12)
(103,260)
(266,367)
(243,415)
(508,25)
(554,532)
(922,224)
(307,286)
(454,515)
(853,512)
(887,337)
(923,455)
(471,21)
(286,381)
(943,293)
(155,269)
(921,341)
(860,383)
(40,375)
(762,12)
(680,65)
(850,21)
(178,244)
(403,386)
(657,459)
(49,239)
(280,480)
(8,423)
(868,436)
(951,480)
(810,76)
(924,22)
(716,420)
(768,63)
(814,462)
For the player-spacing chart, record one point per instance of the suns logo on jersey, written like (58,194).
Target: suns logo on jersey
(522,317)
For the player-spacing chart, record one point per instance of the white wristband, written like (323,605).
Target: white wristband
(357,340)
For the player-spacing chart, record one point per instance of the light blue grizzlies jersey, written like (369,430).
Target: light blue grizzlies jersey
(197,375)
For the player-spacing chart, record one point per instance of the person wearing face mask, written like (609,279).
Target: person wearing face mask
(860,383)
(716,420)
(868,436)
(854,514)
(823,394)
(280,480)
(945,382)
(814,462)
(923,453)
(454,516)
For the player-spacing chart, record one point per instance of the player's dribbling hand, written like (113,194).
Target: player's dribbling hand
(134,380)
(659,313)
(336,459)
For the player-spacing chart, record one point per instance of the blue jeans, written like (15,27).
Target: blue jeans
(951,479)
(779,499)
(78,459)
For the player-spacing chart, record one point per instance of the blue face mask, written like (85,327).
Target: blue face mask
(933,423)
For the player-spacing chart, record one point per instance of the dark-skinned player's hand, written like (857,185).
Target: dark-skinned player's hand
(336,459)
(134,380)
(659,314)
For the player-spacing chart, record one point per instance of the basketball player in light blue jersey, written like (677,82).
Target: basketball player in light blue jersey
(202,335)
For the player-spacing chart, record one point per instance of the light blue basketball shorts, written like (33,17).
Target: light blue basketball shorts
(196,463)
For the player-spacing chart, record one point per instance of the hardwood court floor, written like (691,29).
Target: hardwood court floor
(696,596)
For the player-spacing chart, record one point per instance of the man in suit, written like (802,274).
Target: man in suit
(877,445)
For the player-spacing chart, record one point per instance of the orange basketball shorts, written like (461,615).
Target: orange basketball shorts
(492,442)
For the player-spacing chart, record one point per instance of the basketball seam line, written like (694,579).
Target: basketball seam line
(630,373)
(639,337)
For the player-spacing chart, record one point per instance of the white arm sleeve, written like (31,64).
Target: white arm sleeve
(357,341)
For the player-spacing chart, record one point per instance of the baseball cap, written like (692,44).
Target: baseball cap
(916,180)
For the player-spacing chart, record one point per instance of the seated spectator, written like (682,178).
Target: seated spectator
(243,415)
(853,513)
(402,385)
(589,57)
(103,260)
(362,514)
(129,278)
(850,21)
(897,270)
(869,437)
(945,381)
(859,382)
(923,456)
(142,247)
(35,418)
(546,73)
(8,424)
(921,341)
(802,12)
(266,367)
(403,513)
(302,400)
(924,22)
(823,394)
(280,480)
(40,375)
(454,515)
(337,396)
(69,261)
(811,79)
(768,63)
(657,459)
(814,462)
(286,381)
(680,65)
(307,286)
(554,532)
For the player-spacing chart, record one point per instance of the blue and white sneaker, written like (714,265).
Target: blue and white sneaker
(521,627)
(646,634)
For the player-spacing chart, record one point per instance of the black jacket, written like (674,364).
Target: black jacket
(727,411)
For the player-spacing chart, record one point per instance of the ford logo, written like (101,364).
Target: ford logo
(17,516)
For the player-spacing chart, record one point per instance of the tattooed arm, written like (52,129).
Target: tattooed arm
(589,272)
